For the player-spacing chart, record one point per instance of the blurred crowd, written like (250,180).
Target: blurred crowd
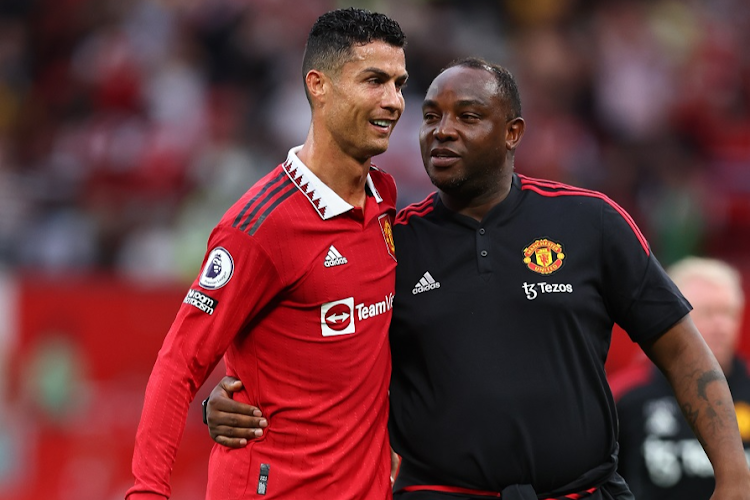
(127,128)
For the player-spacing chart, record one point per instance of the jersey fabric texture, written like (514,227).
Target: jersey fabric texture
(306,332)
(659,455)
(500,333)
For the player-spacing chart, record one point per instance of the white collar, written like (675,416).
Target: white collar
(325,201)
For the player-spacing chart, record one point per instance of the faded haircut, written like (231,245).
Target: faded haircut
(506,84)
(329,44)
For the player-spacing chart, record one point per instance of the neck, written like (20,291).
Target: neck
(477,205)
(345,175)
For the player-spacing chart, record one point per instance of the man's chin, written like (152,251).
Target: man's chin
(377,149)
(451,185)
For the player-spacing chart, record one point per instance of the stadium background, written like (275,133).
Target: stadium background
(127,128)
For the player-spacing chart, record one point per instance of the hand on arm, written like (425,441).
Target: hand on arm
(230,422)
(704,398)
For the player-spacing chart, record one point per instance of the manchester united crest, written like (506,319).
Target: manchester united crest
(387,229)
(544,256)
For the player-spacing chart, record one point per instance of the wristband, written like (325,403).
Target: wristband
(204,404)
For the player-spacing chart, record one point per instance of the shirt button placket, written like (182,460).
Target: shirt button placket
(483,244)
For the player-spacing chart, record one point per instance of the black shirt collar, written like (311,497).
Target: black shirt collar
(497,214)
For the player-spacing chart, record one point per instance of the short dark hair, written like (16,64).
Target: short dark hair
(508,89)
(331,38)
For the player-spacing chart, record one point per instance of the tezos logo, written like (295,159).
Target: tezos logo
(532,290)
(218,270)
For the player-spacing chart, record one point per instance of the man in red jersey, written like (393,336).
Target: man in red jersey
(507,289)
(296,293)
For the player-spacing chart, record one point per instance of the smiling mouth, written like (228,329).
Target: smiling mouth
(384,124)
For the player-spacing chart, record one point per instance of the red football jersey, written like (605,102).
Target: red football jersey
(296,292)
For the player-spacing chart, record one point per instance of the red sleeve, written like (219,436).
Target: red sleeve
(238,279)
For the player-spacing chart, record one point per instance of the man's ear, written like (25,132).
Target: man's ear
(514,132)
(317,85)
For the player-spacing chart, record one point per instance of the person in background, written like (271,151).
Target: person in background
(296,293)
(659,455)
(507,289)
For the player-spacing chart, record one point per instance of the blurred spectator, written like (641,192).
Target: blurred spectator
(659,455)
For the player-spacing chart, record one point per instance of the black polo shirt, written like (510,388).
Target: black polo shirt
(501,329)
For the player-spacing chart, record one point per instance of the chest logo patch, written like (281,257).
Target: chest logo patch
(387,229)
(543,256)
(336,317)
(218,269)
(334,258)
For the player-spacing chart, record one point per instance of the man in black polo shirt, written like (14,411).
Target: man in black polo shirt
(507,289)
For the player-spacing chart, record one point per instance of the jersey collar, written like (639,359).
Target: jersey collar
(325,201)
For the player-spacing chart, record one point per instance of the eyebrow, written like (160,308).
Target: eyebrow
(463,103)
(379,72)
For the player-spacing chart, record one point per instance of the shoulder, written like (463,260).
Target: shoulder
(596,206)
(574,196)
(557,190)
(419,210)
(380,176)
(255,207)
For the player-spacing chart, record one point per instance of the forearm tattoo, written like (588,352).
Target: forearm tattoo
(705,379)
(691,412)
(691,415)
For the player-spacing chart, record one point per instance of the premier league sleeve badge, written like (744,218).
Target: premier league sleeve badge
(218,269)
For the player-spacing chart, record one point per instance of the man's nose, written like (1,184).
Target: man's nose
(445,129)
(392,98)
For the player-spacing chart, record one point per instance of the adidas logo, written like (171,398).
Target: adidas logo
(334,258)
(426,283)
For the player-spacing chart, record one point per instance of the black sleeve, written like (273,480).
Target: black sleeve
(641,298)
